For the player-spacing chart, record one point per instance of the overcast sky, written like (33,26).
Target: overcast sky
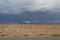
(18,6)
(30,10)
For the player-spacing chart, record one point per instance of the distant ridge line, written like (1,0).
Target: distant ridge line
(27,23)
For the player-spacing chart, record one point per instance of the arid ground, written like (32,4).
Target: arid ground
(29,29)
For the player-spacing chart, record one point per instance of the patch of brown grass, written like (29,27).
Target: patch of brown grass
(29,29)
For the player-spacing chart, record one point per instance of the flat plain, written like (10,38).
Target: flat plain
(29,29)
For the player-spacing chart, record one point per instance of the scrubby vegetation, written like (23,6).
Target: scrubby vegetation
(55,34)
(29,29)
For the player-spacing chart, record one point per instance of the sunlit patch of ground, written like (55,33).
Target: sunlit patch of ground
(29,29)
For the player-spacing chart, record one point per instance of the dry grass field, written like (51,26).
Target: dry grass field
(29,29)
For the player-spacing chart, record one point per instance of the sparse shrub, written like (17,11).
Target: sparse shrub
(41,34)
(55,34)
(14,35)
(2,35)
(26,35)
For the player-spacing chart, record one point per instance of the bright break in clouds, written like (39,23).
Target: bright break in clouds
(18,6)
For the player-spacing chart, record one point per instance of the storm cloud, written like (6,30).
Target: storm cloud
(18,6)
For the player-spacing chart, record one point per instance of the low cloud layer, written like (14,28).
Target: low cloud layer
(18,6)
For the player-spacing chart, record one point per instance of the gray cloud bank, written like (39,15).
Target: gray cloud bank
(18,6)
